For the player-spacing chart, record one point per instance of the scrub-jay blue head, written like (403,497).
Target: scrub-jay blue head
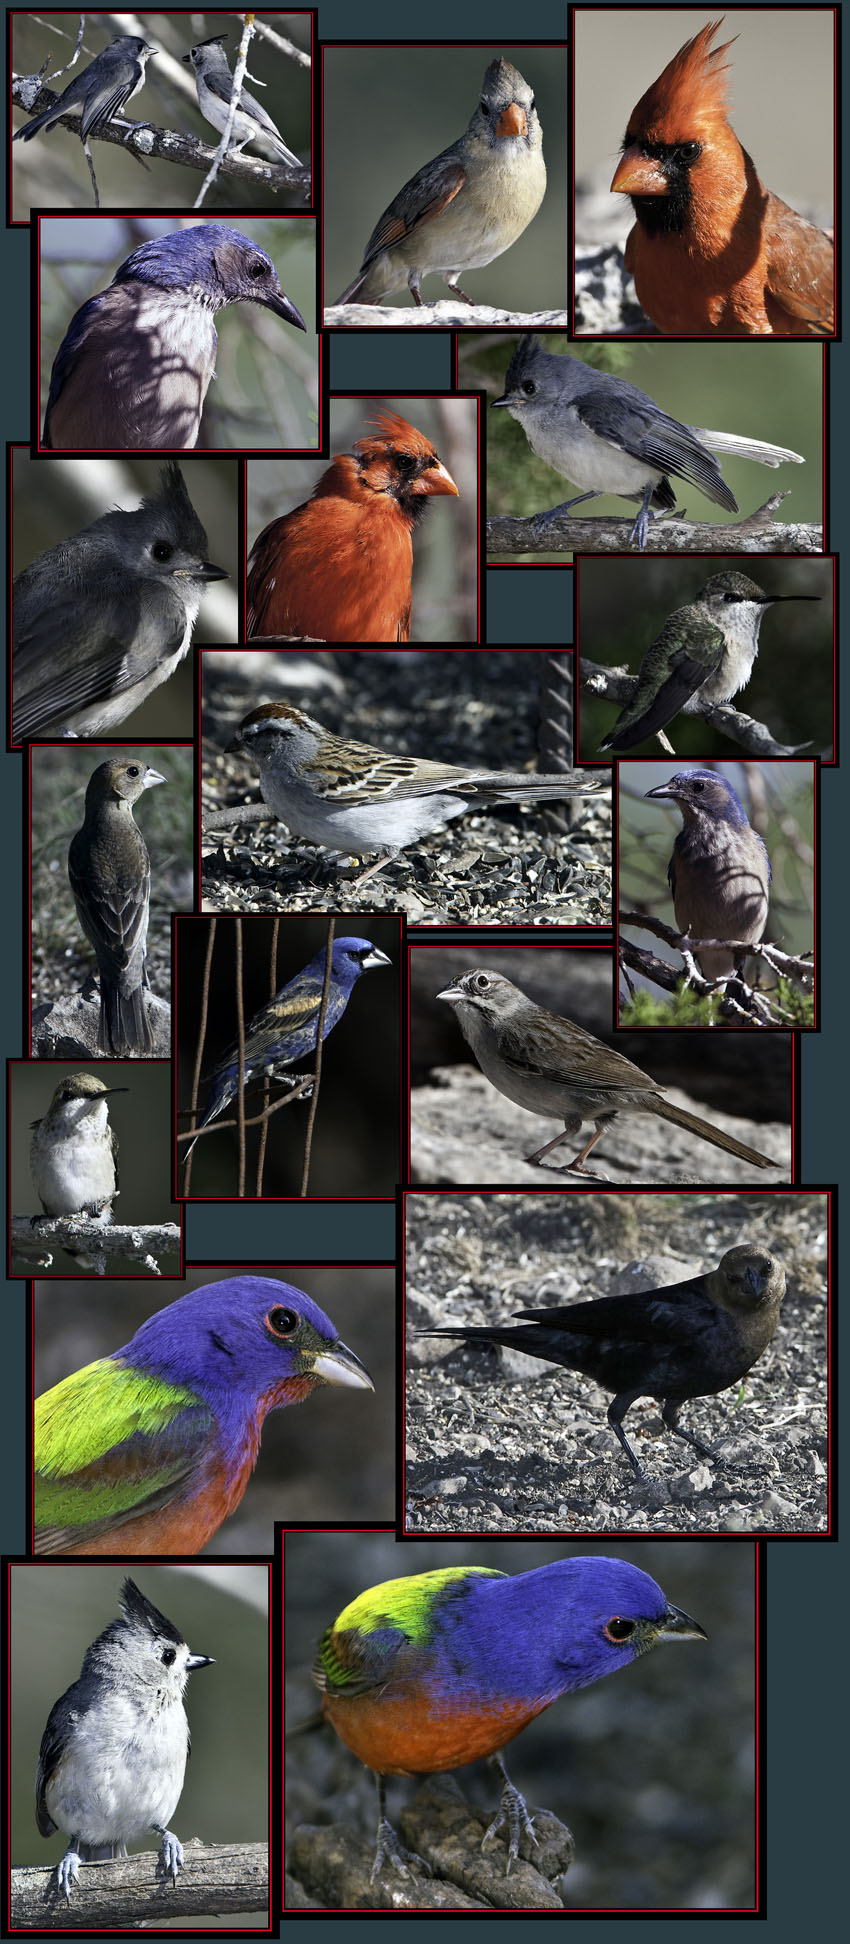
(136,361)
(100,91)
(214,83)
(103,619)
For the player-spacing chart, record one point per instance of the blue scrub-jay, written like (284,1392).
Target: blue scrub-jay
(719,873)
(104,618)
(214,83)
(135,363)
(100,91)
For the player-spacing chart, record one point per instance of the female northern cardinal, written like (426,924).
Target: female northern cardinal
(339,567)
(713,251)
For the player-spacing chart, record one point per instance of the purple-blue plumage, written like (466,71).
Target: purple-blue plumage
(287,1028)
(154,1461)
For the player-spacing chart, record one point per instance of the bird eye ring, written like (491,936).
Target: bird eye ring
(283,1322)
(481,982)
(619,1630)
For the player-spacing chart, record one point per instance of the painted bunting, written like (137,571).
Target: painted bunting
(149,1450)
(435,1670)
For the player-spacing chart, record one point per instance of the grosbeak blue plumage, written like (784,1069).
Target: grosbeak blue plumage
(286,1029)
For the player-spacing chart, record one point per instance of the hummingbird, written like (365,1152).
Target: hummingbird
(74,1154)
(110,873)
(703,656)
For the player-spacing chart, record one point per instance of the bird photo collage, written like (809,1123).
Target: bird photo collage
(422,749)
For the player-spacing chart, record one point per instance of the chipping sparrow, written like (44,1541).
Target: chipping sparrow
(350,797)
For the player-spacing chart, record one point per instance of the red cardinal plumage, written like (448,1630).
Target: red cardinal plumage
(713,251)
(339,567)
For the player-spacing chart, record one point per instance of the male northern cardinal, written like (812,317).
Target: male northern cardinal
(339,567)
(468,205)
(713,251)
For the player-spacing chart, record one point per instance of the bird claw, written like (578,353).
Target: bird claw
(388,1849)
(512,1815)
(172,1853)
(68,1872)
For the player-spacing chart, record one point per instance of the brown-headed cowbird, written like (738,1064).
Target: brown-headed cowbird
(691,1339)
(551,1066)
(110,873)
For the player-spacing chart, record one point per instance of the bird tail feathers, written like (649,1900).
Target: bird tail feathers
(765,455)
(707,1132)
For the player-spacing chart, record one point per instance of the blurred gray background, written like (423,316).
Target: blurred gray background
(332,1458)
(781,93)
(445,545)
(388,111)
(58,1609)
(52,499)
(265,388)
(779,801)
(141,1119)
(651,1769)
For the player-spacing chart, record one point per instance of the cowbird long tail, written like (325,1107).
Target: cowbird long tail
(707,1132)
(124,1023)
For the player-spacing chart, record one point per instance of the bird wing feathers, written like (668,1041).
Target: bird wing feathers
(421,198)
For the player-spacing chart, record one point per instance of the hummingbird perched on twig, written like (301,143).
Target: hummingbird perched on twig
(74,1154)
(703,656)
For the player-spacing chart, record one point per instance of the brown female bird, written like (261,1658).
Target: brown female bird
(110,873)
(712,251)
(339,567)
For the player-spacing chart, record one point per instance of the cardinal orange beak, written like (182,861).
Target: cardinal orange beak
(435,480)
(637,175)
(512,121)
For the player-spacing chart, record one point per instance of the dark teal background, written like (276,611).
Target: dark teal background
(807,1582)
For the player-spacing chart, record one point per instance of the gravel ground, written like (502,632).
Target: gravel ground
(478,708)
(502,1443)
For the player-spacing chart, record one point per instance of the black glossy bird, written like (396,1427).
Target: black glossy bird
(690,1339)
(110,873)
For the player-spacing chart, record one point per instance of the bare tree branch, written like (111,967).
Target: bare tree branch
(614,685)
(143,1242)
(758,533)
(216,1879)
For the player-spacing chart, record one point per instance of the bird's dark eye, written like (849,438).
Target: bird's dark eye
(283,1322)
(162,550)
(533,105)
(481,982)
(619,1630)
(406,464)
(529,387)
(697,783)
(259,267)
(484,106)
(690,150)
(169,1656)
(133,769)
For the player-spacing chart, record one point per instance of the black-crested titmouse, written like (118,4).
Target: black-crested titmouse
(113,1755)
